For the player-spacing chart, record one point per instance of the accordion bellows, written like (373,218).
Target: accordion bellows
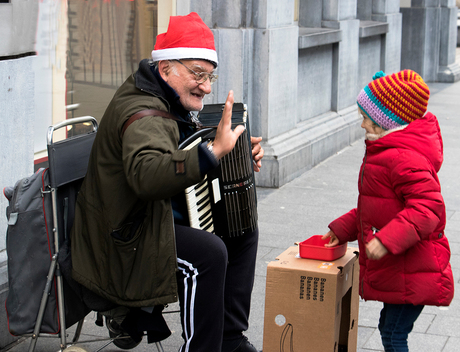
(225,201)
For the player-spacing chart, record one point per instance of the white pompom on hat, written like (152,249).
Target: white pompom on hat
(187,37)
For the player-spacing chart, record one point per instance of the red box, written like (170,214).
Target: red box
(313,248)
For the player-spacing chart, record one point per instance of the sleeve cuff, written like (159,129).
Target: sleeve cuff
(207,159)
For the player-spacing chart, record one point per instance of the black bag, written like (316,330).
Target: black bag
(30,247)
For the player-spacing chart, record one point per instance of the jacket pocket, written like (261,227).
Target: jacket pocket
(127,232)
(122,252)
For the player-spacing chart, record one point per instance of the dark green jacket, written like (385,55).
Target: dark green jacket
(123,244)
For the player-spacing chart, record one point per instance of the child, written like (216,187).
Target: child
(400,217)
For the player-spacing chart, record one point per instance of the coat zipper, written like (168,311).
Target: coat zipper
(361,181)
(360,218)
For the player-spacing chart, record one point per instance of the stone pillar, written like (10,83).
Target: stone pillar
(275,67)
(380,38)
(428,45)
(388,11)
(16,152)
(449,70)
(18,28)
(341,14)
(274,80)
(420,39)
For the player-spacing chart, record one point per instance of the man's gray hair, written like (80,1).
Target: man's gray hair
(155,65)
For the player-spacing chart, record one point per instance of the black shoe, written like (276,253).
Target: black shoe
(245,346)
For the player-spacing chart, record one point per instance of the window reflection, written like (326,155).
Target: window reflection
(107,39)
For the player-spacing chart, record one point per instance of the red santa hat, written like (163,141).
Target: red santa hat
(187,37)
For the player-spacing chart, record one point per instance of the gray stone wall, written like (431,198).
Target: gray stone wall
(340,46)
(369,59)
(16,150)
(314,75)
(300,79)
(18,20)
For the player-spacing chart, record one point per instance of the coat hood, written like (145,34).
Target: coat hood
(422,136)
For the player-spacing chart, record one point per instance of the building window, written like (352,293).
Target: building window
(107,39)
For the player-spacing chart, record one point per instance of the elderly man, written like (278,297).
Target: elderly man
(131,241)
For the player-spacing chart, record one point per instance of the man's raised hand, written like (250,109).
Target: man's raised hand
(226,138)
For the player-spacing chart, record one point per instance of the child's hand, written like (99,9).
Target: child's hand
(375,249)
(334,241)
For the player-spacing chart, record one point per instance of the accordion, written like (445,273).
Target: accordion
(225,201)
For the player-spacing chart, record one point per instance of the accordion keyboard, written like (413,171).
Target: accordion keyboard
(199,206)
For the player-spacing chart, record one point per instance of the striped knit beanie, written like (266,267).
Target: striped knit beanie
(395,100)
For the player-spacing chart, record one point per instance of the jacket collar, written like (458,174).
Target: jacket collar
(422,135)
(375,136)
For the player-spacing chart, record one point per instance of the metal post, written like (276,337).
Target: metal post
(78,331)
(59,283)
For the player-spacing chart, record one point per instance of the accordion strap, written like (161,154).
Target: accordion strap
(153,112)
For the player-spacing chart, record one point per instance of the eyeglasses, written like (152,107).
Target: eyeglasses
(201,77)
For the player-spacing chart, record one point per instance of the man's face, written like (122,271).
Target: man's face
(183,81)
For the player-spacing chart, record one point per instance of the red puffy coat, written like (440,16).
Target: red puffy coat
(400,203)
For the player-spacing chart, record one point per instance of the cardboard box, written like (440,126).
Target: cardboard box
(311,305)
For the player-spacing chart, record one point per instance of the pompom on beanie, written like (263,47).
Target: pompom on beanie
(187,37)
(394,100)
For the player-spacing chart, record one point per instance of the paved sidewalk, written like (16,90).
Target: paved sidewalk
(304,207)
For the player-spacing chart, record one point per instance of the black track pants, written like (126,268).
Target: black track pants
(214,285)
(239,282)
(202,260)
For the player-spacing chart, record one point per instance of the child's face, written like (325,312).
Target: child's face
(369,125)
